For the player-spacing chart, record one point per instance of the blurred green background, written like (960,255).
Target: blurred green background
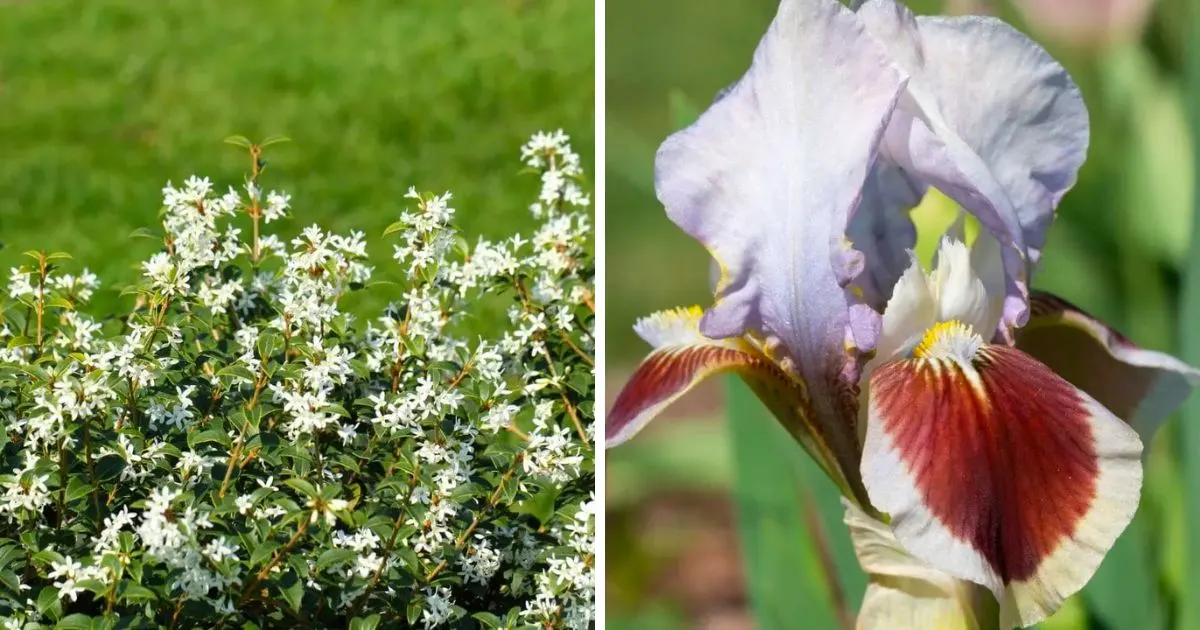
(1118,249)
(103,101)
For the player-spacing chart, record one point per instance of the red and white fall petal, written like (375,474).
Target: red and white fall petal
(681,359)
(996,470)
(1139,386)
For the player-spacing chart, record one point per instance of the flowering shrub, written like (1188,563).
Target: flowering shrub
(240,451)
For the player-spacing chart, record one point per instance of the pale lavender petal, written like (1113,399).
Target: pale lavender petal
(767,180)
(990,119)
(768,177)
(883,231)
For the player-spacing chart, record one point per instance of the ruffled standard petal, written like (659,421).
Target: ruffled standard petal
(907,594)
(990,119)
(997,471)
(767,179)
(882,229)
(1142,387)
(768,176)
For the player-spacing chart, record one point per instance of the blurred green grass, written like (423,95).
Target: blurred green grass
(1117,249)
(103,101)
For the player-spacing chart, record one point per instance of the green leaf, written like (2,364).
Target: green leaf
(134,592)
(77,488)
(333,556)
(48,603)
(239,141)
(414,611)
(786,585)
(237,370)
(21,340)
(77,621)
(1189,337)
(364,623)
(396,226)
(217,436)
(11,581)
(273,140)
(1124,591)
(145,233)
(46,556)
(409,560)
(487,619)
(540,505)
(336,409)
(302,486)
(292,589)
(11,554)
(824,510)
(262,552)
(269,343)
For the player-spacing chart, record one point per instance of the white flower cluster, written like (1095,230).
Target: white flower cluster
(569,579)
(238,448)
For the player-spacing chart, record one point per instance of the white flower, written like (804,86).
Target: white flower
(277,205)
(321,508)
(437,607)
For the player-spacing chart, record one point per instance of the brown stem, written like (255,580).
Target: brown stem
(255,210)
(275,559)
(241,441)
(91,465)
(575,420)
(178,609)
(110,597)
(233,458)
(62,481)
(566,402)
(581,353)
(491,503)
(387,551)
(512,428)
(41,298)
(462,374)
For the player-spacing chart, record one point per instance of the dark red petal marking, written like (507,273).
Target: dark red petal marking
(665,374)
(1080,357)
(1105,364)
(1010,470)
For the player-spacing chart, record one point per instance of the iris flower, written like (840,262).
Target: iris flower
(987,439)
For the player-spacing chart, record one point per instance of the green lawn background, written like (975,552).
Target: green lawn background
(103,101)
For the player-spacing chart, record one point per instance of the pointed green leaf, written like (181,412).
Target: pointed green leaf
(786,584)
(238,141)
(1189,337)
(273,140)
(395,227)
